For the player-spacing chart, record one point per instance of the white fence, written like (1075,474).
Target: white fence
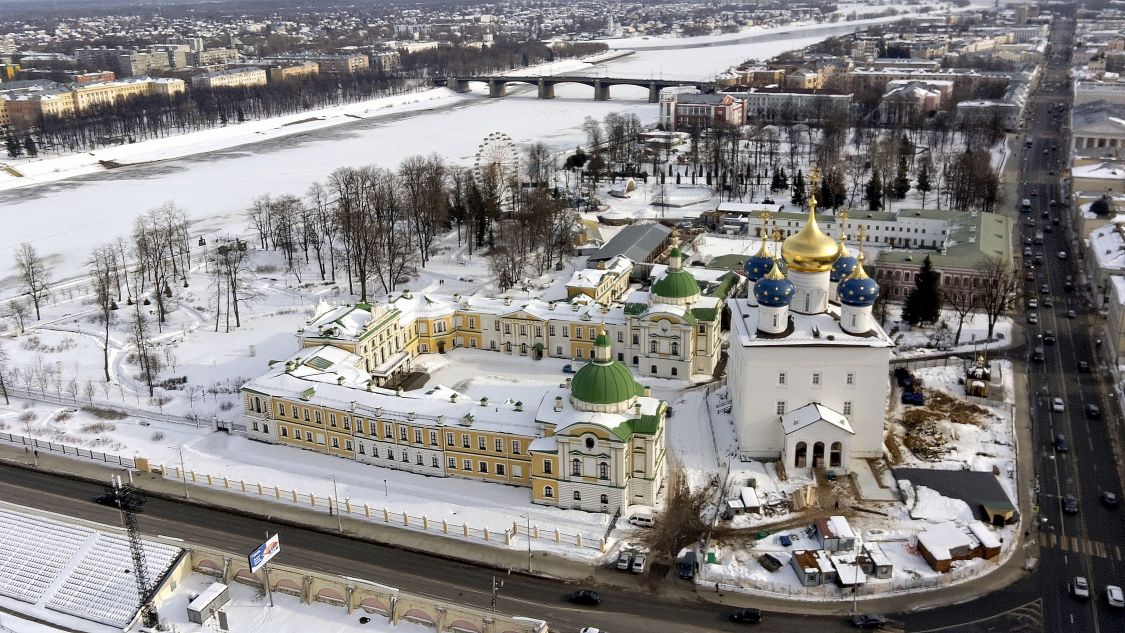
(32,444)
(66,400)
(380,514)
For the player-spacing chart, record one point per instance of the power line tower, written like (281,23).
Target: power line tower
(129,501)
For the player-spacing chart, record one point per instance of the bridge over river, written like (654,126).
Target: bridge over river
(498,84)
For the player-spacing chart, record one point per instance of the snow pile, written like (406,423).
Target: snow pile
(930,505)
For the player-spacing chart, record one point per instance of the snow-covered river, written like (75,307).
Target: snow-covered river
(68,217)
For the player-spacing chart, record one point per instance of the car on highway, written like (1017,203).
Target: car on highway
(1048,337)
(1058,405)
(1093,411)
(1032,303)
(1070,504)
(1037,354)
(1110,499)
(1030,276)
(1083,366)
(747,616)
(1048,302)
(1044,288)
(868,621)
(591,629)
(1061,445)
(1032,318)
(1062,255)
(1047,228)
(1080,588)
(1115,597)
(587,597)
(1055,221)
(1071,314)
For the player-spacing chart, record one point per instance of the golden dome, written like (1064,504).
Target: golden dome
(810,250)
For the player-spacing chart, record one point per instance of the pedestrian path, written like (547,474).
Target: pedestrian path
(1069,543)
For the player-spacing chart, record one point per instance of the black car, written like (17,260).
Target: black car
(1070,504)
(587,597)
(1110,499)
(868,621)
(747,616)
(1093,411)
(1061,445)
(1048,337)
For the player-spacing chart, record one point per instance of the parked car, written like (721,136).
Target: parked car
(1093,411)
(1080,588)
(1115,597)
(1045,289)
(568,369)
(1062,254)
(868,621)
(747,616)
(587,597)
(1071,314)
(687,565)
(1048,302)
(624,559)
(1110,499)
(916,398)
(638,566)
(1070,504)
(1037,354)
(1058,405)
(590,629)
(1061,445)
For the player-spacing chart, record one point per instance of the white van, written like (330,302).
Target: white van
(641,516)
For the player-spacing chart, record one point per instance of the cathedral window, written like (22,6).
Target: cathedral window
(652,347)
(675,349)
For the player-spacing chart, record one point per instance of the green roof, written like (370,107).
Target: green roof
(972,238)
(645,425)
(604,383)
(705,314)
(635,308)
(676,284)
(722,289)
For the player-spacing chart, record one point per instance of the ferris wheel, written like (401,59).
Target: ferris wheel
(497,165)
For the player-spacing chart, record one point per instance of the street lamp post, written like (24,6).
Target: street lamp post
(335,496)
(528,517)
(183,472)
(34,446)
(386,490)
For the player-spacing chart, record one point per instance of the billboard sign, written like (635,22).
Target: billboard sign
(264,553)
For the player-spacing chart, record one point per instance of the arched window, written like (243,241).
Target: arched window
(257,404)
(653,372)
(548,492)
(675,349)
(652,346)
(800,455)
(577,496)
(835,455)
(675,371)
(635,360)
(605,499)
(603,470)
(508,348)
(818,455)
(576,467)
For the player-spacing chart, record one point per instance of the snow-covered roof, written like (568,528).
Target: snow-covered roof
(1119,287)
(808,329)
(847,571)
(1107,243)
(878,557)
(841,527)
(984,534)
(411,306)
(618,423)
(810,414)
(940,539)
(592,277)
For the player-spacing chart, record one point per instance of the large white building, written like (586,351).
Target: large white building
(808,362)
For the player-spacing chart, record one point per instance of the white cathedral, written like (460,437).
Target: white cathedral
(808,366)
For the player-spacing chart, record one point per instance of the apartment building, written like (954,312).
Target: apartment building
(244,77)
(26,104)
(292,71)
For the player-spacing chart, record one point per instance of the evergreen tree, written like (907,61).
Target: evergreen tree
(29,146)
(874,191)
(799,195)
(775,181)
(833,190)
(783,179)
(923,304)
(923,185)
(901,185)
(15,150)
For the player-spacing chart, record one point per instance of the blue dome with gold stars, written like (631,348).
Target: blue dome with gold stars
(774,290)
(858,290)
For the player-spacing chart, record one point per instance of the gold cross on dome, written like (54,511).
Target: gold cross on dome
(843,218)
(814,177)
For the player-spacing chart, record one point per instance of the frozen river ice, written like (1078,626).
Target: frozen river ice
(66,218)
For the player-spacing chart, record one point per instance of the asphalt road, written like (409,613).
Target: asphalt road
(1090,543)
(621,610)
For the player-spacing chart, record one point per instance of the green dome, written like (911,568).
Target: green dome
(604,383)
(676,284)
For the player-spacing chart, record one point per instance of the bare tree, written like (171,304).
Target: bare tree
(998,286)
(144,349)
(102,263)
(964,302)
(34,274)
(17,309)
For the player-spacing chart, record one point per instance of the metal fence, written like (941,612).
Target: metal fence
(67,400)
(32,444)
(378,514)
